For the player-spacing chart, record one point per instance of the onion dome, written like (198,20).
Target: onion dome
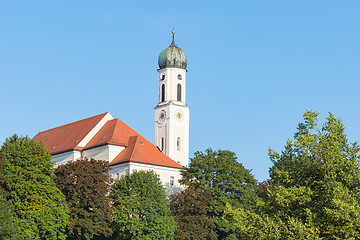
(172,56)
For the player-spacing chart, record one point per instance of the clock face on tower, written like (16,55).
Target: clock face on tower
(162,116)
(179,115)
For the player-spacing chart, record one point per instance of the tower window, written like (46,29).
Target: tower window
(163,93)
(178,144)
(179,92)
(162,144)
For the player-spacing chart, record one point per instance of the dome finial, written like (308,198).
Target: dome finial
(172,56)
(173,37)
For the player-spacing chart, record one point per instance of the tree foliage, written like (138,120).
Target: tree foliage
(317,177)
(226,179)
(251,225)
(9,229)
(140,206)
(85,184)
(220,172)
(190,210)
(314,188)
(29,182)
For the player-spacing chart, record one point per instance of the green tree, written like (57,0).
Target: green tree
(318,173)
(314,188)
(86,184)
(190,210)
(251,225)
(226,179)
(29,182)
(9,229)
(140,206)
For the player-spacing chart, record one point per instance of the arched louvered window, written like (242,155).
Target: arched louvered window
(179,92)
(163,93)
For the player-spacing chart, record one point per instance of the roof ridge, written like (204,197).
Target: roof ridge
(132,138)
(112,132)
(117,124)
(73,122)
(127,125)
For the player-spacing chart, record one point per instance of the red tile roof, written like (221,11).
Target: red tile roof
(67,137)
(141,150)
(114,132)
(137,148)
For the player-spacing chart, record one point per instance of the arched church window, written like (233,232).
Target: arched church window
(163,93)
(179,92)
(162,144)
(178,144)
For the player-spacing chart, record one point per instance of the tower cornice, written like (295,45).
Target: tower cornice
(170,103)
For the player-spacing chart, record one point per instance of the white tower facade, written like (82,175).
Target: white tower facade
(172,113)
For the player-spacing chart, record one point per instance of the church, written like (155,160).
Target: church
(103,137)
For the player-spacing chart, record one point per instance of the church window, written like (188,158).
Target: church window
(162,144)
(178,144)
(172,180)
(163,93)
(179,92)
(158,175)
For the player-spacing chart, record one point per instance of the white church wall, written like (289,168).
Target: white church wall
(164,173)
(98,153)
(169,177)
(65,157)
(105,152)
(114,150)
(119,170)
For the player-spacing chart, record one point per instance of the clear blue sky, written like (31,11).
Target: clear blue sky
(254,67)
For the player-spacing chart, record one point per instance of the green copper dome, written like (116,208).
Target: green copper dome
(172,56)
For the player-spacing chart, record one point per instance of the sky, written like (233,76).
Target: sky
(254,67)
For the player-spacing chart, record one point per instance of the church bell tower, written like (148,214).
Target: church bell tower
(171,113)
